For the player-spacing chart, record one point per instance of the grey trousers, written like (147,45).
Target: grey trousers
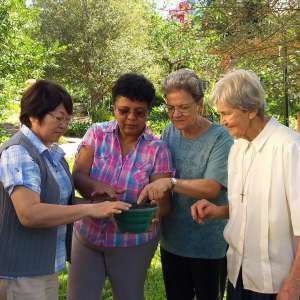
(125,267)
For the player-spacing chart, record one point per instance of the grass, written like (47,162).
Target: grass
(154,287)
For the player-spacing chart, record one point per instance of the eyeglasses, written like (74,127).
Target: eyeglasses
(138,113)
(182,109)
(60,119)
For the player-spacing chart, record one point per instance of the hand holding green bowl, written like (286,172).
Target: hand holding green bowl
(137,219)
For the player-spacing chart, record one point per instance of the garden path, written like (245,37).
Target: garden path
(71,145)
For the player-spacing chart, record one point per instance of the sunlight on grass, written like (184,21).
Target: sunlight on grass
(154,287)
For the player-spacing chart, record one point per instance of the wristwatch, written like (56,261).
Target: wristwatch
(173,182)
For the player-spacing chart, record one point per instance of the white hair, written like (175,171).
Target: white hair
(240,89)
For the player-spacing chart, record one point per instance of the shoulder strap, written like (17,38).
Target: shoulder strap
(66,167)
(20,139)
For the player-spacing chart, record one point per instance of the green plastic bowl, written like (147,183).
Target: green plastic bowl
(137,219)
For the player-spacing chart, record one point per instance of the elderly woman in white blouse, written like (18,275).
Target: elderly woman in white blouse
(263,192)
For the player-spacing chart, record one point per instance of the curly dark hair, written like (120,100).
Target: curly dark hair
(135,87)
(41,98)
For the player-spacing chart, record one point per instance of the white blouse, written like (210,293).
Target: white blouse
(264,207)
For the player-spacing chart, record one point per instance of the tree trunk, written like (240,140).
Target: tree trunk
(94,104)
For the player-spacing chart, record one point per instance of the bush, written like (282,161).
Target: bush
(101,115)
(158,119)
(210,113)
(3,136)
(78,128)
(102,111)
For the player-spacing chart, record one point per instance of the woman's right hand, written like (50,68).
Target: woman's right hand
(103,190)
(107,208)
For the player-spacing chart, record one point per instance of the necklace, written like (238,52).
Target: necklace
(247,171)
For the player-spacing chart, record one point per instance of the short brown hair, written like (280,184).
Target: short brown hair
(41,98)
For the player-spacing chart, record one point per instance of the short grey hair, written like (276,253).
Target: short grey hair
(184,79)
(240,89)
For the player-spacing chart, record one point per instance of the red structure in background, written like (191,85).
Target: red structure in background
(180,12)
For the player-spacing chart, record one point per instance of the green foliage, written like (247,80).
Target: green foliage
(101,39)
(86,45)
(210,113)
(255,39)
(271,76)
(78,128)
(101,115)
(3,136)
(176,46)
(21,55)
(158,119)
(102,111)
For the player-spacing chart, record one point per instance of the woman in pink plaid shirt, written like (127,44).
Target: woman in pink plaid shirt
(116,160)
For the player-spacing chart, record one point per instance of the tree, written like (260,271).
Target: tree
(258,35)
(102,39)
(22,56)
(175,45)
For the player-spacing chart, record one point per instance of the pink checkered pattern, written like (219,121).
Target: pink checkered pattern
(131,173)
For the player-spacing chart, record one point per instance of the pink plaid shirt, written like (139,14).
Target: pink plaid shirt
(131,173)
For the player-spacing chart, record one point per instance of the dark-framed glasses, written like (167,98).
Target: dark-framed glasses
(125,111)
